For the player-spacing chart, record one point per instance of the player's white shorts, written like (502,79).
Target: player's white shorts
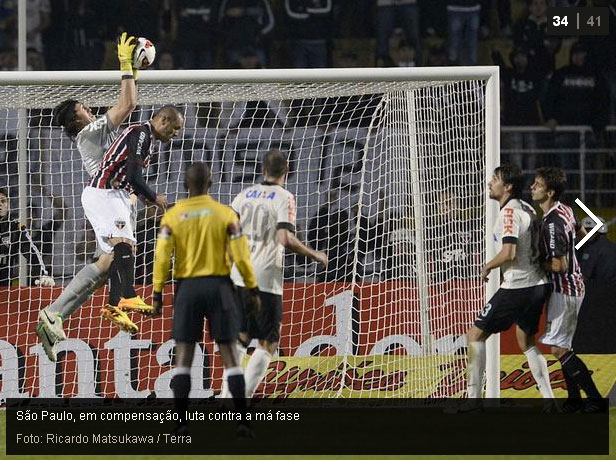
(562,320)
(109,213)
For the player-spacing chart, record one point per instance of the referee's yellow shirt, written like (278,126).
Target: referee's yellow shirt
(206,238)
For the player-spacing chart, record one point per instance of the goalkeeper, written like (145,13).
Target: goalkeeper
(92,136)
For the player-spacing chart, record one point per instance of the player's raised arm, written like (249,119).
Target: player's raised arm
(128,91)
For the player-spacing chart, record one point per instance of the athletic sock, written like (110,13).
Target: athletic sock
(237,387)
(180,384)
(573,390)
(241,352)
(579,373)
(125,265)
(77,291)
(539,368)
(476,368)
(256,369)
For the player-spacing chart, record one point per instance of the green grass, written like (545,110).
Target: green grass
(301,457)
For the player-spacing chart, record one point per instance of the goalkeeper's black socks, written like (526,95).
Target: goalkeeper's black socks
(180,384)
(579,373)
(124,262)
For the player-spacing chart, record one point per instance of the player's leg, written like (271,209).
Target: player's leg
(187,329)
(180,382)
(532,300)
(561,324)
(243,339)
(265,326)
(476,339)
(74,295)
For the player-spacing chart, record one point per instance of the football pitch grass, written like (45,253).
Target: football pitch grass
(612,435)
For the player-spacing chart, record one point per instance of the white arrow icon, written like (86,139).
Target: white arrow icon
(594,230)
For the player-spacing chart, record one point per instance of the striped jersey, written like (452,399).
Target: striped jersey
(263,209)
(123,163)
(517,224)
(558,230)
(93,140)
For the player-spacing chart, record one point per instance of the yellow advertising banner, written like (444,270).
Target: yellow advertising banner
(411,376)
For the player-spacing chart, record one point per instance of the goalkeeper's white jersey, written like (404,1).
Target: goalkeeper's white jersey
(94,140)
(517,224)
(263,209)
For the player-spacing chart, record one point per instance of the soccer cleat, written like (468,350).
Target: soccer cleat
(572,405)
(53,325)
(121,319)
(595,406)
(243,431)
(49,345)
(134,304)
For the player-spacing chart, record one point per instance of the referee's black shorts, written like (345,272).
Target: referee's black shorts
(265,325)
(520,306)
(211,297)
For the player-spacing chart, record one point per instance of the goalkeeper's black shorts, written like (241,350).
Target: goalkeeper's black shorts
(211,297)
(265,325)
(520,306)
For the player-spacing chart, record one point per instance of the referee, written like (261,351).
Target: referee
(206,238)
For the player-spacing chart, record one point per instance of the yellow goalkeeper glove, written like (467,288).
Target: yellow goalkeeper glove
(126,46)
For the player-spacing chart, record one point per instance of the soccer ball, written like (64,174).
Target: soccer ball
(144,54)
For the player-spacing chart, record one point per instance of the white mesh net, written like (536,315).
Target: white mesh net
(389,180)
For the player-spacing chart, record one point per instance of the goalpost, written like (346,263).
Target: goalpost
(389,169)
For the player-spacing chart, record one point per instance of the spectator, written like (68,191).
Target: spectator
(389,13)
(597,256)
(576,96)
(463,20)
(15,239)
(165,60)
(197,33)
(405,56)
(8,59)
(530,34)
(309,26)
(38,18)
(520,105)
(329,231)
(244,23)
(602,54)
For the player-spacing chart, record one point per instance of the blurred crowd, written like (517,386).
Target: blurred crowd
(547,80)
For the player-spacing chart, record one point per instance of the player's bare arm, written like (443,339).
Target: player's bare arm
(290,242)
(506,254)
(128,91)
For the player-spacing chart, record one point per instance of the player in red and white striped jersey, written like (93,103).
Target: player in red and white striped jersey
(557,245)
(106,202)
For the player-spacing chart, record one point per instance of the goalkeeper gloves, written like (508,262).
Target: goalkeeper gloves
(126,46)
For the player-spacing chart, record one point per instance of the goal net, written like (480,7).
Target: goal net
(388,169)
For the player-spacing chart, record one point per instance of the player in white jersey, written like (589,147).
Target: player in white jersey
(92,136)
(525,287)
(559,229)
(267,217)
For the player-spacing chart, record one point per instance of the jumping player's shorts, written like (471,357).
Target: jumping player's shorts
(265,325)
(508,306)
(211,297)
(562,320)
(109,213)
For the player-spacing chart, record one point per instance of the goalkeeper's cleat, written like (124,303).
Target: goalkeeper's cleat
(134,304)
(121,319)
(53,324)
(49,345)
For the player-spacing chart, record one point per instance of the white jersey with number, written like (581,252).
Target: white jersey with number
(94,140)
(263,209)
(517,224)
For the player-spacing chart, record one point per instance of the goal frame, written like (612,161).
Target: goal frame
(489,74)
